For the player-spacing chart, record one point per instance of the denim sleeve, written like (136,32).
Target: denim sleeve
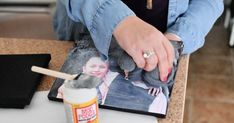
(196,22)
(100,17)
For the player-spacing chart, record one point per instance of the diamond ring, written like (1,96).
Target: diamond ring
(147,54)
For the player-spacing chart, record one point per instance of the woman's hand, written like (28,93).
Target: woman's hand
(136,37)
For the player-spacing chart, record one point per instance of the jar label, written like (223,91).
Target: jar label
(85,112)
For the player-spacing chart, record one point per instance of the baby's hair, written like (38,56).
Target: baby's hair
(92,52)
(79,59)
(85,56)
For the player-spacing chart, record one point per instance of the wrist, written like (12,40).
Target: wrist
(172,36)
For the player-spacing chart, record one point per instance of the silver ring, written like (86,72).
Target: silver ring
(147,54)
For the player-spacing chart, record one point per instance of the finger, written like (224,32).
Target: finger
(151,63)
(170,52)
(163,63)
(138,58)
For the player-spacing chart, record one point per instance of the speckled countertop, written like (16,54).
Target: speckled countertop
(59,51)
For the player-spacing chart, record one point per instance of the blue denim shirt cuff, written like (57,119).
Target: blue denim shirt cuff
(191,40)
(190,27)
(100,17)
(108,16)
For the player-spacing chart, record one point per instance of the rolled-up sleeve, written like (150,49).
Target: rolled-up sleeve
(196,22)
(100,17)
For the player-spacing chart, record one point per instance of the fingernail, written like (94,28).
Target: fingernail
(165,78)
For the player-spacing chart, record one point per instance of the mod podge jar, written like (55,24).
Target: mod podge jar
(81,104)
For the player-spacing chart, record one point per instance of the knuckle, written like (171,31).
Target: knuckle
(140,63)
(152,63)
(146,68)
(149,68)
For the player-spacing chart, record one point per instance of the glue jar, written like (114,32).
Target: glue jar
(81,104)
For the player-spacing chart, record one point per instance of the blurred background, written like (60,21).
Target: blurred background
(210,88)
(27,19)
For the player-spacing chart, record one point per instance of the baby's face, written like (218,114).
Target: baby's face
(96,67)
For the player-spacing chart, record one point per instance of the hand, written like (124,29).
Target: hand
(136,37)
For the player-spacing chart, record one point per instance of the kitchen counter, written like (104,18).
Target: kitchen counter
(59,51)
